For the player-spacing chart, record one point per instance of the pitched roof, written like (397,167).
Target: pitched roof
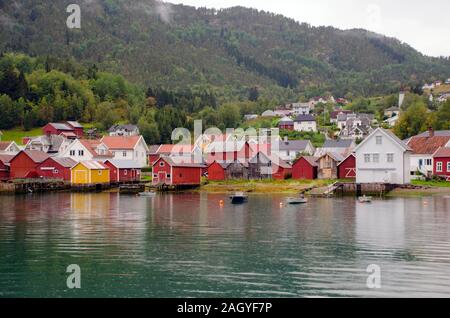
(60,126)
(123,127)
(305,118)
(4,145)
(93,165)
(35,155)
(427,145)
(272,158)
(310,159)
(348,156)
(153,149)
(91,146)
(286,119)
(442,152)
(124,164)
(436,133)
(293,145)
(75,124)
(335,113)
(395,138)
(64,161)
(229,146)
(336,156)
(6,158)
(181,162)
(121,142)
(341,143)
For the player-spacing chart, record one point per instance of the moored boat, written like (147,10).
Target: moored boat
(238,198)
(297,200)
(365,199)
(147,194)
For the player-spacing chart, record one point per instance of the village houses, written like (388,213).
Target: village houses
(305,123)
(383,158)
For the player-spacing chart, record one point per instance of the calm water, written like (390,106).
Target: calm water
(186,245)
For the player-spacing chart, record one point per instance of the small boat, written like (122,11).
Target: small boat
(365,199)
(147,194)
(297,200)
(238,198)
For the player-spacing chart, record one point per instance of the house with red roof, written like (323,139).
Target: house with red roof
(123,171)
(4,166)
(441,163)
(127,148)
(86,149)
(25,163)
(177,171)
(305,168)
(70,128)
(424,146)
(56,168)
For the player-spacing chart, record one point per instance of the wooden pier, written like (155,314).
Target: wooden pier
(356,189)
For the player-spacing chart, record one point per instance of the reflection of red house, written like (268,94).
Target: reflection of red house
(441,165)
(123,170)
(347,168)
(25,163)
(176,171)
(216,172)
(56,168)
(4,167)
(305,168)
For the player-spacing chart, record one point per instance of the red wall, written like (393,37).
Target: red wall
(287,127)
(280,173)
(243,154)
(444,167)
(153,158)
(22,166)
(4,172)
(157,169)
(63,172)
(186,175)
(347,169)
(302,169)
(216,172)
(123,175)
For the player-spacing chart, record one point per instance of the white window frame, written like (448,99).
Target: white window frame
(379,140)
(367,158)
(448,166)
(389,156)
(439,166)
(377,156)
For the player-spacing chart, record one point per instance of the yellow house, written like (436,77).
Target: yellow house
(89,172)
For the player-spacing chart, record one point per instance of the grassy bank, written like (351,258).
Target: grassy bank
(17,134)
(263,186)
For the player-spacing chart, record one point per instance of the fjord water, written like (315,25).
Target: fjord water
(188,245)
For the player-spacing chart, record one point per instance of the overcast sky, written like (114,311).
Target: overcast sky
(422,24)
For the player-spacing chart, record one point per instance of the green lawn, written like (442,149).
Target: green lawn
(443,184)
(17,134)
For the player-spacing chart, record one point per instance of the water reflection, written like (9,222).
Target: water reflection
(190,245)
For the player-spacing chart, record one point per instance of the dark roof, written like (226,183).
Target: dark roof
(60,126)
(440,133)
(75,124)
(342,143)
(303,118)
(293,145)
(153,149)
(124,127)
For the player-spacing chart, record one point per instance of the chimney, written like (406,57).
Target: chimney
(430,132)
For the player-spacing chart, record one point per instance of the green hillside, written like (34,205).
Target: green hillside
(228,51)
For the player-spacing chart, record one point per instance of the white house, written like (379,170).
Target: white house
(383,158)
(301,108)
(289,150)
(305,123)
(86,150)
(127,148)
(124,130)
(9,147)
(424,147)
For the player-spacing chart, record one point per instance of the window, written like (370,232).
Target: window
(439,167)
(155,175)
(390,157)
(137,154)
(125,172)
(124,154)
(81,152)
(161,164)
(376,157)
(169,176)
(366,157)
(379,140)
(428,162)
(100,172)
(72,152)
(55,171)
(448,166)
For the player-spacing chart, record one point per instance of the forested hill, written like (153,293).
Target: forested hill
(231,50)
